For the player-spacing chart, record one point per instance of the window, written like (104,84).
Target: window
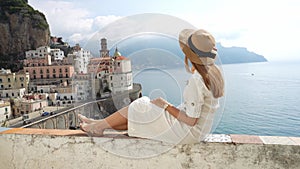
(34,77)
(8,79)
(22,85)
(54,71)
(21,78)
(9,85)
(34,72)
(48,76)
(60,70)
(41,71)
(0,80)
(42,77)
(111,84)
(66,70)
(54,76)
(12,94)
(47,70)
(110,77)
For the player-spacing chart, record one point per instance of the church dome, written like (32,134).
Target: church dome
(117,53)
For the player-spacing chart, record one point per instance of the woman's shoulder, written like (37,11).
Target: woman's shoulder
(199,82)
(197,78)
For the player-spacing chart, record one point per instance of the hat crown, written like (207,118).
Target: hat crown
(198,46)
(203,40)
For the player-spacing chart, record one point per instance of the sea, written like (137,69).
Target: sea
(260,98)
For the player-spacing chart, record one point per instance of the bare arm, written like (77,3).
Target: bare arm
(181,116)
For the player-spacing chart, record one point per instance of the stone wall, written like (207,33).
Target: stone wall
(35,148)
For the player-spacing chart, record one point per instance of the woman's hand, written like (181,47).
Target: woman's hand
(160,102)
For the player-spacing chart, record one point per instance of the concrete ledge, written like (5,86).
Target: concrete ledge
(38,148)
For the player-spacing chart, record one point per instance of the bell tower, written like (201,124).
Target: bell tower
(104,52)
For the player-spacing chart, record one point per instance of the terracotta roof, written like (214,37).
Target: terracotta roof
(121,58)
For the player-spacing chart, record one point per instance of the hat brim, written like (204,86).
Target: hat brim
(185,34)
(183,38)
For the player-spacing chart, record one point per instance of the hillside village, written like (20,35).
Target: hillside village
(58,75)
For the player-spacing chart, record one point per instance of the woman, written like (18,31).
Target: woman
(158,119)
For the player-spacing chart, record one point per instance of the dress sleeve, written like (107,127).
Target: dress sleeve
(193,97)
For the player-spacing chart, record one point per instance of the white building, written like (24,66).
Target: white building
(65,96)
(80,59)
(45,88)
(40,52)
(121,77)
(5,110)
(13,84)
(112,73)
(57,54)
(20,92)
(43,51)
(83,87)
(22,106)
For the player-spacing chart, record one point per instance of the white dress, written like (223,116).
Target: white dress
(147,120)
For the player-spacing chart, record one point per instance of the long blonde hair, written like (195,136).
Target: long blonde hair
(212,78)
(211,74)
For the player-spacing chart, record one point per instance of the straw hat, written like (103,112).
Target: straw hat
(201,44)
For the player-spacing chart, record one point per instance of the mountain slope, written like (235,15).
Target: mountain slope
(22,28)
(231,55)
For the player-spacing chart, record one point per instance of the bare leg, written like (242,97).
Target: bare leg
(121,127)
(117,120)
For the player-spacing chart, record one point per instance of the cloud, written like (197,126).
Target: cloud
(270,29)
(101,21)
(74,24)
(260,26)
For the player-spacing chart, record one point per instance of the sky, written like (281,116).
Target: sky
(267,27)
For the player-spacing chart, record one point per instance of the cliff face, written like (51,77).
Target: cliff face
(22,28)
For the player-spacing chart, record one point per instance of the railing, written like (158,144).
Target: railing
(62,114)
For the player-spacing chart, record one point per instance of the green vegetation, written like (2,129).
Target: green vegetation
(21,8)
(5,3)
(8,62)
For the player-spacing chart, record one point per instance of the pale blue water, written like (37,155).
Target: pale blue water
(261,98)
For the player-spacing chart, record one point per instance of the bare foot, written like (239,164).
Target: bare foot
(93,129)
(84,119)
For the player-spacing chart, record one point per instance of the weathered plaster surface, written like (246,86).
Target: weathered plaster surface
(69,152)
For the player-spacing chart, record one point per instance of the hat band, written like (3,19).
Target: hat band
(199,52)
